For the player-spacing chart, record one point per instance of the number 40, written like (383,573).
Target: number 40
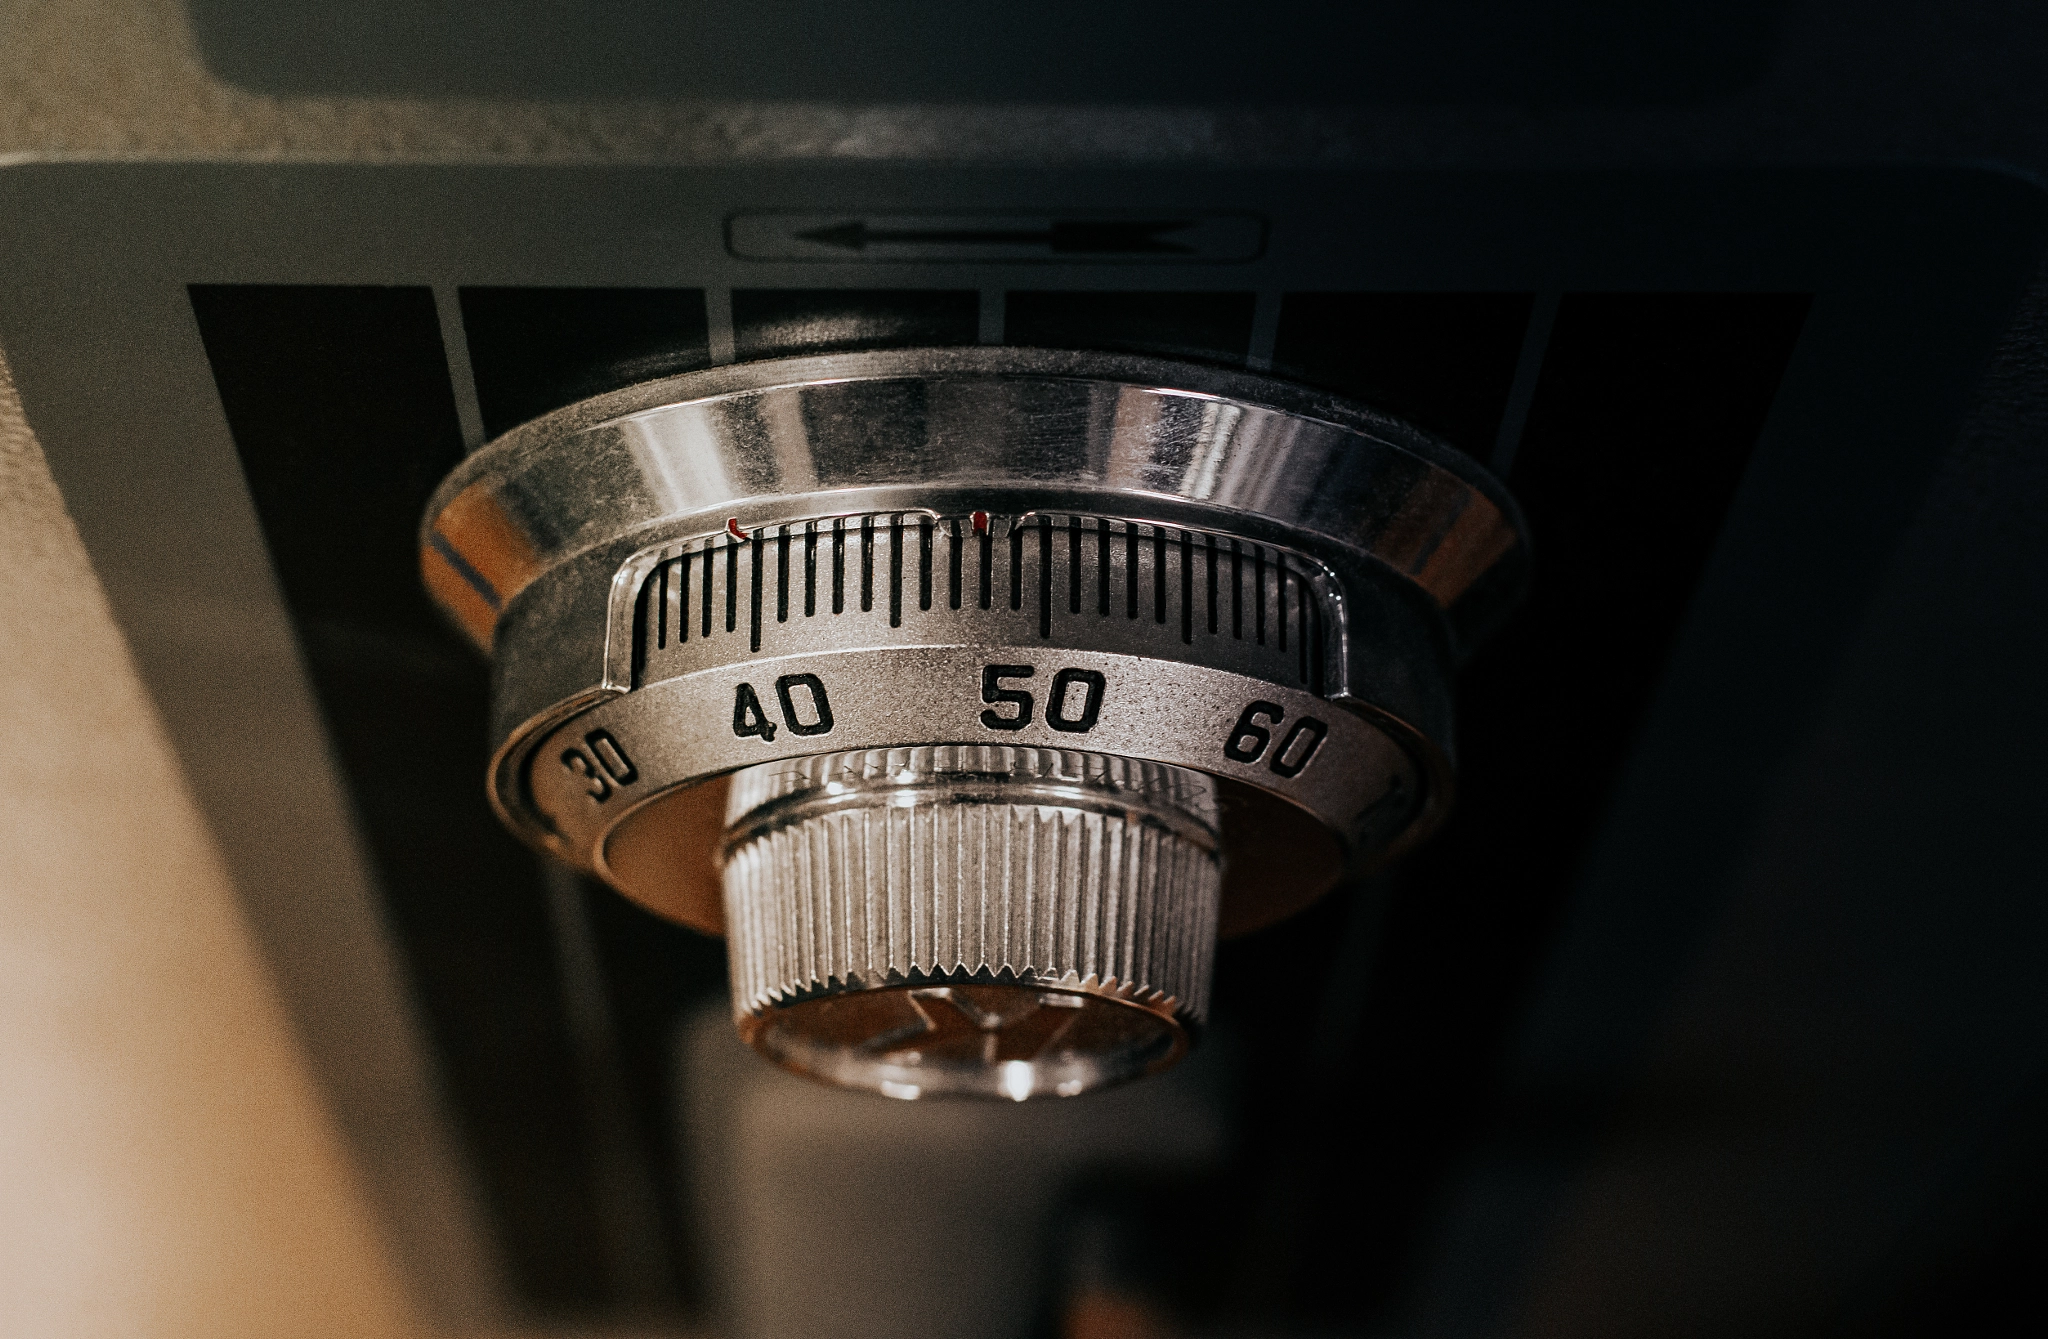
(750,721)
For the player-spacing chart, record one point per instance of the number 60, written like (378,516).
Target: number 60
(1248,739)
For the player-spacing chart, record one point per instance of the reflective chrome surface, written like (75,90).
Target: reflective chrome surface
(1363,783)
(896,430)
(932,555)
(984,920)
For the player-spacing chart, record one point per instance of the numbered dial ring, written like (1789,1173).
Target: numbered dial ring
(1164,644)
(972,692)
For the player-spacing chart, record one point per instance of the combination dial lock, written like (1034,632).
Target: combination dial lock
(971,692)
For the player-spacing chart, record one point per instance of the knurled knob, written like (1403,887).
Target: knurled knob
(971,919)
(972,691)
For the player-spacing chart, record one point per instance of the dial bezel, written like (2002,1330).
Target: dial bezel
(541,545)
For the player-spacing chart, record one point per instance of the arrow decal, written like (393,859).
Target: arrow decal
(995,237)
(1064,236)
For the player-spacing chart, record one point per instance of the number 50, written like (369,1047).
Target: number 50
(1060,711)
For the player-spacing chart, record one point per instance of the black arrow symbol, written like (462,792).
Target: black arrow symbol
(1093,236)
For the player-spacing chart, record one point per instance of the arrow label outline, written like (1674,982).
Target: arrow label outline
(1062,237)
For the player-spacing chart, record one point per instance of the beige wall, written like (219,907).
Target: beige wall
(166,1166)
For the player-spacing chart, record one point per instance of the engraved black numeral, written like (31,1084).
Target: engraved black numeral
(820,706)
(1062,712)
(1248,738)
(748,720)
(806,710)
(993,692)
(1299,746)
(1092,684)
(577,761)
(601,763)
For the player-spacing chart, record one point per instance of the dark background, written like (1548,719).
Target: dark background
(1315,1225)
(1666,1036)
(980,51)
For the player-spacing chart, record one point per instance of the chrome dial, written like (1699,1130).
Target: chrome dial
(969,691)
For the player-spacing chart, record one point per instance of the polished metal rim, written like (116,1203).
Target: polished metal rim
(513,454)
(548,545)
(1176,443)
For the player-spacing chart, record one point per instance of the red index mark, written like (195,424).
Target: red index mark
(732,527)
(981,523)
